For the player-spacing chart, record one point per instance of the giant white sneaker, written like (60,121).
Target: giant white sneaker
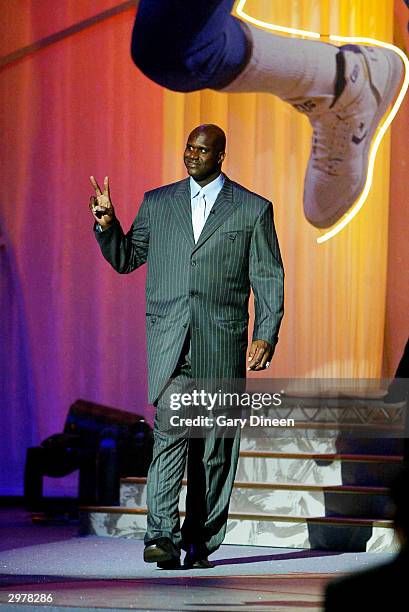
(343,131)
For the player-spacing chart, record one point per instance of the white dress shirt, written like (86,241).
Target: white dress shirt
(202,200)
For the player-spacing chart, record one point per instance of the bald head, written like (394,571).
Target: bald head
(213,132)
(205,152)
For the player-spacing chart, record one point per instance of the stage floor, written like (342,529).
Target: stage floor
(101,573)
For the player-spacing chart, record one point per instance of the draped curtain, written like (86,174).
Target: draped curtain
(79,107)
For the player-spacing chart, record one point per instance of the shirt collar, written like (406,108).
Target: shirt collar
(211,190)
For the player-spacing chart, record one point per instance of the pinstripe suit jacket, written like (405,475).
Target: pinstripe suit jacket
(203,286)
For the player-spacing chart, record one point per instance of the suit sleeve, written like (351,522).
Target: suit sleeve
(266,278)
(126,252)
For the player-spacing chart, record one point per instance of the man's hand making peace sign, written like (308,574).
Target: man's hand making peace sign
(100,205)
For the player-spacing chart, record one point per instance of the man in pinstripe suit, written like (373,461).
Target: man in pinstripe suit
(207,241)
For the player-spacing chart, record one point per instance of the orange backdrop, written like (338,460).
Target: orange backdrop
(79,107)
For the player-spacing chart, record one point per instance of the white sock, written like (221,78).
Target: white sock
(290,68)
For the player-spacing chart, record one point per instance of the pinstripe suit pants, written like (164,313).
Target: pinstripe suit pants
(211,467)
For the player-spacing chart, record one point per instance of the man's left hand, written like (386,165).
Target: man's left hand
(260,355)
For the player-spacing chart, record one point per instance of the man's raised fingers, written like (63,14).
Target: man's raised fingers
(106,186)
(95,185)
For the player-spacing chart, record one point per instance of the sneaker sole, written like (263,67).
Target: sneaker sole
(391,90)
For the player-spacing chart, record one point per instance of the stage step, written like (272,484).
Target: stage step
(326,491)
(325,442)
(323,533)
(317,468)
(285,499)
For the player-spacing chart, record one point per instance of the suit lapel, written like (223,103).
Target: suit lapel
(182,210)
(222,209)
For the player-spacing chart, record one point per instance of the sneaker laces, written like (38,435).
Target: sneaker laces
(330,143)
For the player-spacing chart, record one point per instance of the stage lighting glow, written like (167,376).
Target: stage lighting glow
(347,218)
(271,26)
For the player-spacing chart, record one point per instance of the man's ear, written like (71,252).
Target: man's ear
(222,156)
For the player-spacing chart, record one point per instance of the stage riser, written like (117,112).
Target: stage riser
(358,505)
(307,471)
(262,515)
(283,502)
(369,474)
(311,441)
(303,534)
(316,472)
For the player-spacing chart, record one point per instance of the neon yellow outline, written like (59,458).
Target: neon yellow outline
(381,130)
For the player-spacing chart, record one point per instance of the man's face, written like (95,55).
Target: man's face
(202,156)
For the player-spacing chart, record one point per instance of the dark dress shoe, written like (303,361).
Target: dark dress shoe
(170,565)
(193,563)
(160,551)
